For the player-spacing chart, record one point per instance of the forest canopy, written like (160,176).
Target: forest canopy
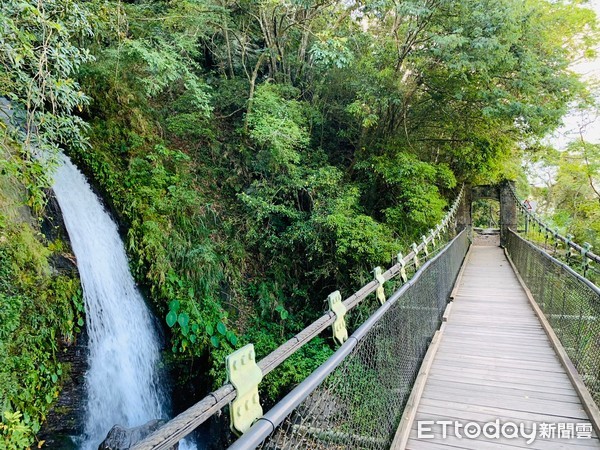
(261,154)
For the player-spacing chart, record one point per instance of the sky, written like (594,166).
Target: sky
(577,124)
(586,121)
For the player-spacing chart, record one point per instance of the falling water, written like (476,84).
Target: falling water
(122,382)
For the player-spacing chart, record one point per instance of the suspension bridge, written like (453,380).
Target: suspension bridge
(472,343)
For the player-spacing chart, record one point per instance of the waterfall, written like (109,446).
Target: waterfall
(122,383)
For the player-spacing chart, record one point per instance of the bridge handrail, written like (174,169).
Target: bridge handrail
(557,262)
(570,304)
(187,421)
(575,246)
(264,426)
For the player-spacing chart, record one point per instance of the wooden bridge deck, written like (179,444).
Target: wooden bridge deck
(494,361)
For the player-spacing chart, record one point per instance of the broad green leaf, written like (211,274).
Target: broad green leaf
(171,318)
(232,338)
(183,319)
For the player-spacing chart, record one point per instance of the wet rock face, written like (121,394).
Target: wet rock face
(120,438)
(67,414)
(65,418)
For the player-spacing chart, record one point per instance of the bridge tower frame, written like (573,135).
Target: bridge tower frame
(500,192)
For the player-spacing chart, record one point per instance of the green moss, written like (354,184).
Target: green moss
(39,311)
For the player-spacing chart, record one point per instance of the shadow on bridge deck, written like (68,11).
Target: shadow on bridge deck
(494,361)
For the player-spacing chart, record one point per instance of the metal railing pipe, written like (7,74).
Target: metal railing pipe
(276,415)
(183,424)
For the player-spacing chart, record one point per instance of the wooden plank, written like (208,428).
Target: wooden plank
(495,341)
(588,402)
(556,408)
(493,337)
(482,419)
(499,344)
(410,410)
(528,426)
(475,382)
(500,330)
(496,411)
(496,444)
(459,277)
(516,367)
(501,354)
(457,372)
(509,391)
(426,411)
(456,334)
(501,351)
(495,361)
(513,443)
(426,445)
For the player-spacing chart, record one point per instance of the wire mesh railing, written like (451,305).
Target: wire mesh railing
(570,303)
(356,398)
(578,257)
(398,274)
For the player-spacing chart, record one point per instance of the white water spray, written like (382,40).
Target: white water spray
(122,384)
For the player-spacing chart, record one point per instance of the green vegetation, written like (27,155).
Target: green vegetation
(571,200)
(41,310)
(39,58)
(486,213)
(262,154)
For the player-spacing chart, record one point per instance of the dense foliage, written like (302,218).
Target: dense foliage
(39,58)
(570,197)
(41,310)
(262,154)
